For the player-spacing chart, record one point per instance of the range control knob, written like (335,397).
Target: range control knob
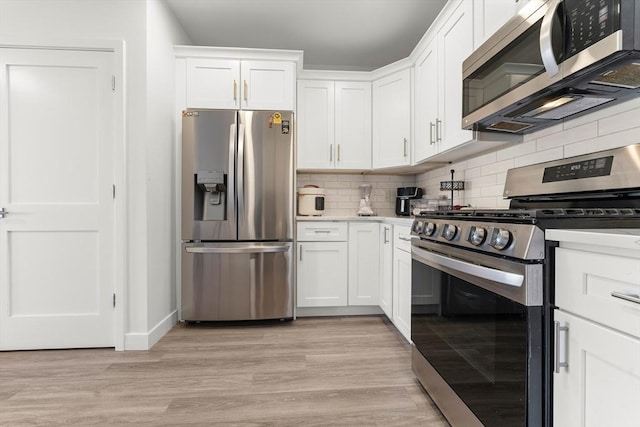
(418,226)
(500,238)
(449,231)
(429,229)
(477,235)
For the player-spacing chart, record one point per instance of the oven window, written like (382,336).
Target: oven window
(476,340)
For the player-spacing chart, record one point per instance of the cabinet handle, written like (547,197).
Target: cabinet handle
(235,90)
(331,152)
(405,147)
(438,128)
(338,152)
(632,298)
(246,90)
(386,238)
(300,252)
(322,231)
(560,350)
(431,140)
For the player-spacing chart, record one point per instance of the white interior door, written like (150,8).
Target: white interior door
(56,178)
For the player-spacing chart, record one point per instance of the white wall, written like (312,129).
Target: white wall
(485,175)
(163,32)
(148,31)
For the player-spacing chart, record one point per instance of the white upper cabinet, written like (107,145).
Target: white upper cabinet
(392,120)
(334,125)
(213,83)
(240,84)
(353,125)
(427,124)
(316,124)
(490,15)
(455,44)
(438,86)
(268,85)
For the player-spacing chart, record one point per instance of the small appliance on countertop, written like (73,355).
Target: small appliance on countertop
(404,195)
(311,200)
(365,201)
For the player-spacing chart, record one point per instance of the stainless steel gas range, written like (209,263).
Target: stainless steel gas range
(483,286)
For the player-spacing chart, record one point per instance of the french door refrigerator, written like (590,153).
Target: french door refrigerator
(237,215)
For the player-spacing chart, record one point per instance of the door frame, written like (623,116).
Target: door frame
(117,48)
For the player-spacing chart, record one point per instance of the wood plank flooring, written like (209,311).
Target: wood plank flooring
(337,371)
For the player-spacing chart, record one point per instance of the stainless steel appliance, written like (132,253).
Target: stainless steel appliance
(483,286)
(404,195)
(237,215)
(555,59)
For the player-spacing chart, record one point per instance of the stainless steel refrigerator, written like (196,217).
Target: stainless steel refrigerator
(237,215)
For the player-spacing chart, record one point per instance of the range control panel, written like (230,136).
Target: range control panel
(579,170)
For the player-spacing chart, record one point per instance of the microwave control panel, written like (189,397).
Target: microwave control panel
(589,21)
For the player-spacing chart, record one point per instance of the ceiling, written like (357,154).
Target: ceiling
(334,34)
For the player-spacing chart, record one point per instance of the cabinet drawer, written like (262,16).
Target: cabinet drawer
(402,238)
(322,231)
(585,282)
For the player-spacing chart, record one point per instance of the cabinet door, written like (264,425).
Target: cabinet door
(268,85)
(386,270)
(322,274)
(353,125)
(315,124)
(402,292)
(490,15)
(426,104)
(213,83)
(455,45)
(391,120)
(364,274)
(601,384)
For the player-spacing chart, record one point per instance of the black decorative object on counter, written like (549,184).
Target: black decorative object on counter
(451,185)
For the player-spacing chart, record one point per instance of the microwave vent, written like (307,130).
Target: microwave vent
(566,106)
(627,76)
(509,126)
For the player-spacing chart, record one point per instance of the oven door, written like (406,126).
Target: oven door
(478,336)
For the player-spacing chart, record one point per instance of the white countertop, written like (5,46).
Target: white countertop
(386,219)
(620,238)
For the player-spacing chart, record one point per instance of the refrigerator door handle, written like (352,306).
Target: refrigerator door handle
(240,168)
(233,131)
(236,250)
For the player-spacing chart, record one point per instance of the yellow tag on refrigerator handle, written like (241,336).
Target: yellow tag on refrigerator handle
(277,118)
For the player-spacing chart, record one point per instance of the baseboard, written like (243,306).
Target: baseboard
(144,341)
(352,310)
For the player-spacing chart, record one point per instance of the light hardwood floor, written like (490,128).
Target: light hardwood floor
(344,371)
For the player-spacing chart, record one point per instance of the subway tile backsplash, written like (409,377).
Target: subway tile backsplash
(484,175)
(343,191)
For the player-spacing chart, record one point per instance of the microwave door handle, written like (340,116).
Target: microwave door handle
(546,47)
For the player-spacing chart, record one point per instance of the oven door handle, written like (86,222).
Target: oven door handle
(498,276)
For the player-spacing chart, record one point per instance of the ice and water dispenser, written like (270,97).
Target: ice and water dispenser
(210,199)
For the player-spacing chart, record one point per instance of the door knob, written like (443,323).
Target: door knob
(3,213)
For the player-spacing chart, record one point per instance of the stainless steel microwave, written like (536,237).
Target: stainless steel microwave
(556,59)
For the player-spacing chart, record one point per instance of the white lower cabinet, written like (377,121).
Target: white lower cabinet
(364,251)
(600,386)
(402,280)
(596,379)
(322,274)
(386,269)
(322,265)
